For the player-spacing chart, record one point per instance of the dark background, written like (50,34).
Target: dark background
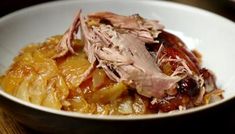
(221,118)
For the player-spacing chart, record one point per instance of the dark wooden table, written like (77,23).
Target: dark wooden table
(219,118)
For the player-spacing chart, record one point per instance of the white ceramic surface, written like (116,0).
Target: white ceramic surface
(211,34)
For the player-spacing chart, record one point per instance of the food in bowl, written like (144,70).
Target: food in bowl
(121,65)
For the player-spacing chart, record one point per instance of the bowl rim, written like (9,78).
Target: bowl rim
(112,117)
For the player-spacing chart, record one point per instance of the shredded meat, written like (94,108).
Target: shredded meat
(144,29)
(123,56)
(116,44)
(65,44)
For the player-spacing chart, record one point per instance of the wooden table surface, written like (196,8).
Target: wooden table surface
(9,126)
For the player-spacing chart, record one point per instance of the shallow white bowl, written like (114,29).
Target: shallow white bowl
(212,35)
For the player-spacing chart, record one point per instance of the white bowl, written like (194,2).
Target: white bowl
(212,35)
